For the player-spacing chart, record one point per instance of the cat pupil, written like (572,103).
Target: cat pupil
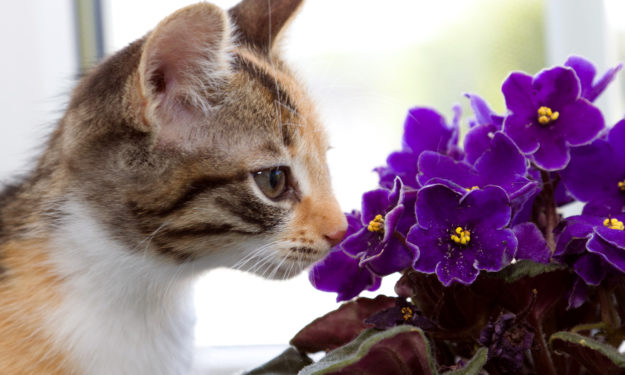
(272,182)
(276,178)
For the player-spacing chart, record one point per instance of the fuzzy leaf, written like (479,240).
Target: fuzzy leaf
(402,350)
(290,362)
(474,366)
(524,268)
(596,357)
(340,326)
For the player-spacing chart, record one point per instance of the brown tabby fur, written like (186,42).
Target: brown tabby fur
(165,152)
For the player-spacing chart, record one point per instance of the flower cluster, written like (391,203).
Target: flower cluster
(456,210)
(500,274)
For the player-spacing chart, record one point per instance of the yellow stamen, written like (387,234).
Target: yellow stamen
(472,188)
(377,224)
(621,185)
(546,115)
(462,236)
(613,223)
(407,313)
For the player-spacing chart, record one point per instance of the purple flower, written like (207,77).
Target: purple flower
(548,116)
(460,235)
(507,340)
(531,243)
(592,245)
(403,312)
(501,164)
(380,244)
(596,172)
(483,128)
(586,73)
(338,272)
(424,129)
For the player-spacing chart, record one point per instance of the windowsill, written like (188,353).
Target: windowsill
(229,360)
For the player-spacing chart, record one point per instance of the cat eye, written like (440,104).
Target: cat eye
(273,182)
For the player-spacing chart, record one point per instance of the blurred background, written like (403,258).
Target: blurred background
(364,63)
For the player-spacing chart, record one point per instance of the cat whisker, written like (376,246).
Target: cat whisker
(263,261)
(254,254)
(277,267)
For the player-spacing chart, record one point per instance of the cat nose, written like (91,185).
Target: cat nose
(336,237)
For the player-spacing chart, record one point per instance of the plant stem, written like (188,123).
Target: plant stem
(588,327)
(551,215)
(608,313)
(540,351)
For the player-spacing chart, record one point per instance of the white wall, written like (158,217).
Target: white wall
(37,68)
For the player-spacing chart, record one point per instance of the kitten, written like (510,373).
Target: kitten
(193,148)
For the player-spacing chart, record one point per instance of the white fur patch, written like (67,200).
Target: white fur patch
(123,312)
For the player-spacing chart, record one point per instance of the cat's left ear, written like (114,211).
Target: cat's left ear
(184,64)
(259,22)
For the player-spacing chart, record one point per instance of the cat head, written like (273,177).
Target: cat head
(197,144)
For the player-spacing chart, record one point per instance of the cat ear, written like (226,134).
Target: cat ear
(260,21)
(184,62)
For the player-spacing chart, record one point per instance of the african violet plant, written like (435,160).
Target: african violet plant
(495,279)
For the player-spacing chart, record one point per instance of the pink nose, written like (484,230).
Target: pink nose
(335,238)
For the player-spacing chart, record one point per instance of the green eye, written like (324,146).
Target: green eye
(272,182)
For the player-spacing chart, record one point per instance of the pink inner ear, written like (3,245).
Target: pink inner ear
(184,60)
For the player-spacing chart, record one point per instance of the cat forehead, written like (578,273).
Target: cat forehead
(266,102)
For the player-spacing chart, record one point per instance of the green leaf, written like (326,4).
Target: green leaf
(399,350)
(523,268)
(290,362)
(474,366)
(595,356)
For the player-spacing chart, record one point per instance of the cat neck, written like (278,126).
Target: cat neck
(122,311)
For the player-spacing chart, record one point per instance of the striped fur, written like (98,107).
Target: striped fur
(148,181)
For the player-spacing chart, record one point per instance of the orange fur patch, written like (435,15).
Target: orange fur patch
(27,293)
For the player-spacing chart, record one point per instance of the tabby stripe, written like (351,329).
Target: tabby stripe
(195,188)
(178,255)
(249,209)
(204,230)
(271,84)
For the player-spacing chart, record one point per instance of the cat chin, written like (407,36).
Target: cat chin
(281,270)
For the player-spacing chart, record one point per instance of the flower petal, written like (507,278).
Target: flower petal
(602,83)
(340,273)
(477,140)
(359,243)
(610,253)
(374,202)
(585,71)
(501,162)
(429,245)
(588,163)
(578,294)
(616,138)
(583,122)
(532,244)
(522,131)
(517,90)
(437,207)
(488,207)
(458,267)
(483,114)
(552,155)
(556,87)
(425,129)
(433,164)
(394,257)
(591,268)
(404,165)
(494,249)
